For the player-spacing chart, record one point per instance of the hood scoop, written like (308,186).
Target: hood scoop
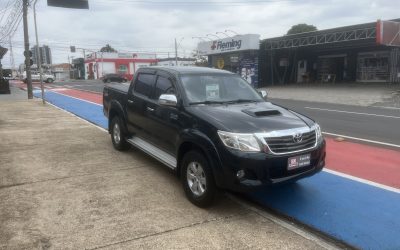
(261,112)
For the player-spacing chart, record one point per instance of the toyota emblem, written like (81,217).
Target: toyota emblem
(298,137)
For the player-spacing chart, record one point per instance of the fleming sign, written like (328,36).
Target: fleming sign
(236,43)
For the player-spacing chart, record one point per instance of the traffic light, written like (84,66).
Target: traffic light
(73,49)
(29,55)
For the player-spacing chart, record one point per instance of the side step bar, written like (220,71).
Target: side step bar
(159,154)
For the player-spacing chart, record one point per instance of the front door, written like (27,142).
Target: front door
(301,71)
(163,120)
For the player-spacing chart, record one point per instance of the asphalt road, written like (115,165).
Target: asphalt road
(370,123)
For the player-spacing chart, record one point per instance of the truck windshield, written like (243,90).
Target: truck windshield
(217,89)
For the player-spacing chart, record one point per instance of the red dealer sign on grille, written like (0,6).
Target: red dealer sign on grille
(388,33)
(74,4)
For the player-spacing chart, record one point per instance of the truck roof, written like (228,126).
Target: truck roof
(188,69)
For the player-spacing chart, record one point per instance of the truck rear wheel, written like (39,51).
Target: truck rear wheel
(197,179)
(118,137)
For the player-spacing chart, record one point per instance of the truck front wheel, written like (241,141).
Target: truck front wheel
(197,179)
(118,137)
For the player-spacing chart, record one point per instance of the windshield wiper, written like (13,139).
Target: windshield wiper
(242,100)
(207,102)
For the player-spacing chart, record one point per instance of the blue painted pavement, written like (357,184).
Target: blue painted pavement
(83,109)
(361,215)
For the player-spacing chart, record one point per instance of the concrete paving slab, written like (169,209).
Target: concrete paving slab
(65,187)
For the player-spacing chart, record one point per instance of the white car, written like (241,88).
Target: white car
(36,77)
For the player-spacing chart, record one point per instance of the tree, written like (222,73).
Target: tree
(108,48)
(301,28)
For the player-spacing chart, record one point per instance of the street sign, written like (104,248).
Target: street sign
(73,4)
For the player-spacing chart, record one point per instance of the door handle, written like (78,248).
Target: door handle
(150,109)
(130,101)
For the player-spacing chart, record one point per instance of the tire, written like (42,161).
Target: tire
(117,135)
(49,80)
(197,179)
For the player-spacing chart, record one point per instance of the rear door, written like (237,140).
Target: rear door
(137,103)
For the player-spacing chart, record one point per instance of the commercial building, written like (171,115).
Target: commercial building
(238,54)
(45,55)
(367,52)
(172,62)
(99,64)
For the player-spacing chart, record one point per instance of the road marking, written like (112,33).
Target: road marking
(371,183)
(80,118)
(357,113)
(290,226)
(76,97)
(364,140)
(384,107)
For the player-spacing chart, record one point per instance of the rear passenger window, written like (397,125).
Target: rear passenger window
(163,86)
(144,84)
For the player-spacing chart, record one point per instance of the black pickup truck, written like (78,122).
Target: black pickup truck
(213,129)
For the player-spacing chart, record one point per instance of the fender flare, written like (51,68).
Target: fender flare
(199,140)
(116,107)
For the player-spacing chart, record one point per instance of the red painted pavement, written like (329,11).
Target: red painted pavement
(363,161)
(88,96)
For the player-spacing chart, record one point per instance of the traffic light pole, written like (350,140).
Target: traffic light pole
(39,58)
(26,43)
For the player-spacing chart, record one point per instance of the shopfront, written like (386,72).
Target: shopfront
(238,54)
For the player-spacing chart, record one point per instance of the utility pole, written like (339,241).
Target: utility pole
(12,62)
(176,53)
(26,42)
(39,57)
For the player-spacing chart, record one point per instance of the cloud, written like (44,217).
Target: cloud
(132,25)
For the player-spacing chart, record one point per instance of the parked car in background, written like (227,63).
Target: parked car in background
(36,77)
(114,78)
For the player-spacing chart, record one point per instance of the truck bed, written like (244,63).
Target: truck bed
(114,91)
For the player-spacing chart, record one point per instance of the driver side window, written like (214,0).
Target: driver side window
(163,86)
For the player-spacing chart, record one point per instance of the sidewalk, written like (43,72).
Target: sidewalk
(383,95)
(62,185)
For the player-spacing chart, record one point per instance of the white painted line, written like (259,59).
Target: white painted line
(364,140)
(90,91)
(371,183)
(383,107)
(290,226)
(357,113)
(76,98)
(80,118)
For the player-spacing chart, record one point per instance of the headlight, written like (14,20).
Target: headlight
(318,132)
(242,142)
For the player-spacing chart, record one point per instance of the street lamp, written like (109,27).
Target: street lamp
(218,32)
(234,32)
(201,38)
(214,36)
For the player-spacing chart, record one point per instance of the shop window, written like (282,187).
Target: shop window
(123,69)
(373,66)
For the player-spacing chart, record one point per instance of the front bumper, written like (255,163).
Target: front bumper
(264,170)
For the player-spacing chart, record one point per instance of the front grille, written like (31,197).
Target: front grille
(286,144)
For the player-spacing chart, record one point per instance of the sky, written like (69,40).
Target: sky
(152,26)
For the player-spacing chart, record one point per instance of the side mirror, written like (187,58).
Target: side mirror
(168,100)
(263,93)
